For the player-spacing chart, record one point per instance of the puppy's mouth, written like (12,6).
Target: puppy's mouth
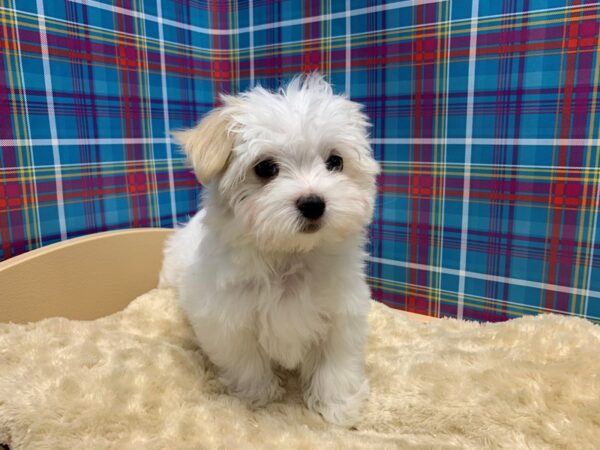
(310,227)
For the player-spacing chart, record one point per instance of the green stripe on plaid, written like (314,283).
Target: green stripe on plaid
(485,120)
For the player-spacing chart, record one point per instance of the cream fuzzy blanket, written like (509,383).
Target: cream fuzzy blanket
(136,380)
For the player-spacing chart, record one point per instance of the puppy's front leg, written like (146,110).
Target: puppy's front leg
(333,374)
(243,367)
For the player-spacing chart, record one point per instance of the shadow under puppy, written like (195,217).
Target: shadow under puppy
(271,269)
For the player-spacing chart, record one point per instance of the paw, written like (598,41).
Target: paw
(259,394)
(338,408)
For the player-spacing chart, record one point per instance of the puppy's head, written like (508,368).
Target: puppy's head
(294,168)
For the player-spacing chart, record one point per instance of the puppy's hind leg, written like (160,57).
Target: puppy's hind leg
(243,367)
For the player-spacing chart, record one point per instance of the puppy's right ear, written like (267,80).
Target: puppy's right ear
(208,145)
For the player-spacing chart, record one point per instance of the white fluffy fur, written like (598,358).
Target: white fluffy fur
(137,380)
(258,291)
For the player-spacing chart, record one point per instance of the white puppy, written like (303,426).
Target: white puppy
(270,271)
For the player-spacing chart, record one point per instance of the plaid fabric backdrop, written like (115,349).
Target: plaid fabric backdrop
(485,113)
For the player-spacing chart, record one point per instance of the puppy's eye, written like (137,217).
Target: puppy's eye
(334,163)
(266,169)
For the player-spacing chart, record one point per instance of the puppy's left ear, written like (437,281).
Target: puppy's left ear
(209,144)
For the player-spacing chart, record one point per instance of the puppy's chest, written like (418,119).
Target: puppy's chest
(292,315)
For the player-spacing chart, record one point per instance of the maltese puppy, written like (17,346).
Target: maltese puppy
(270,272)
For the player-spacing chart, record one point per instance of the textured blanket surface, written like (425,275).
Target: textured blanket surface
(136,379)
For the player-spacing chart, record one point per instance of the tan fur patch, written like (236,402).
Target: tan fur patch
(207,145)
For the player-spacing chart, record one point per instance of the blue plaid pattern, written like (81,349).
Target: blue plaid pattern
(485,119)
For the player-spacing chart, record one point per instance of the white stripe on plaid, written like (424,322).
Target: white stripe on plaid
(596,205)
(165,102)
(130,162)
(464,232)
(503,166)
(251,39)
(374,141)
(486,277)
(60,204)
(267,26)
(384,164)
(84,141)
(493,300)
(488,141)
(348,53)
(442,216)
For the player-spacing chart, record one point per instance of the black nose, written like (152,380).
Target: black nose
(312,206)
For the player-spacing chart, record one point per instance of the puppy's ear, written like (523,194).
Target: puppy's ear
(208,145)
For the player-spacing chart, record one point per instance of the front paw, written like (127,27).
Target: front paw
(336,405)
(260,393)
